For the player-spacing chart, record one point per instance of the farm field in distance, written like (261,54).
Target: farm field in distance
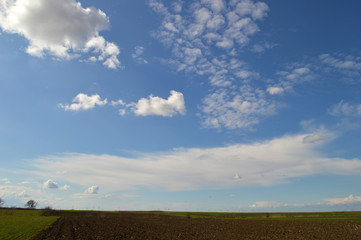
(202,225)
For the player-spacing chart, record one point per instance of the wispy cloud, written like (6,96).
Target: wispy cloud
(345,109)
(348,67)
(329,204)
(63,29)
(259,164)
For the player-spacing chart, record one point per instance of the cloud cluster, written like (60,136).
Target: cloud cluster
(206,38)
(241,110)
(152,105)
(258,164)
(63,29)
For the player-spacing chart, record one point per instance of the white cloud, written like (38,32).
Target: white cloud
(347,200)
(63,29)
(50,184)
(92,190)
(107,51)
(152,105)
(275,90)
(345,109)
(84,102)
(20,193)
(158,106)
(264,163)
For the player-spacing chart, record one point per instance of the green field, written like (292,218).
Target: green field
(301,216)
(22,224)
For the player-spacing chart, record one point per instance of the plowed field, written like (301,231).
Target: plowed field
(127,225)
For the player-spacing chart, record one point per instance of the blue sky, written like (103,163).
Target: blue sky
(207,105)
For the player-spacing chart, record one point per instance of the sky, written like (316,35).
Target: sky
(203,105)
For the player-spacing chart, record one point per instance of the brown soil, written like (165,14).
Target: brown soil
(126,225)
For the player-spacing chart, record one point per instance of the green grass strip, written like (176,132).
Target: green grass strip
(23,224)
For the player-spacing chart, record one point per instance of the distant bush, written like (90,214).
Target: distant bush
(48,211)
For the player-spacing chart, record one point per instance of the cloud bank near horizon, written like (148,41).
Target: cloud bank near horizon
(259,164)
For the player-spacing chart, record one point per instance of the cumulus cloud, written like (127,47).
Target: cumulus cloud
(264,163)
(84,102)
(275,90)
(50,184)
(158,106)
(63,29)
(92,190)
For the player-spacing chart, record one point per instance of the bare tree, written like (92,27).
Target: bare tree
(31,204)
(1,202)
